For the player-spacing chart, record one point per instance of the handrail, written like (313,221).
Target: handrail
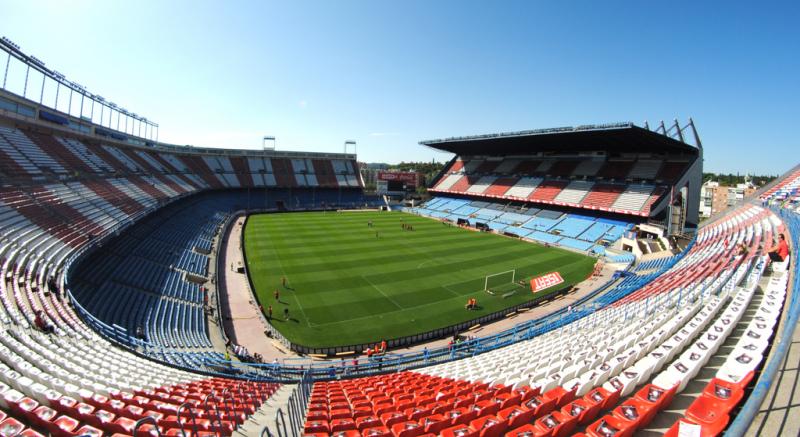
(143,420)
(188,406)
(216,410)
(751,408)
(232,406)
(279,414)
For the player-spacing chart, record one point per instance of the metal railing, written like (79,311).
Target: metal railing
(296,410)
(781,345)
(149,420)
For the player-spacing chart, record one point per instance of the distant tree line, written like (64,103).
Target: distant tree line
(731,179)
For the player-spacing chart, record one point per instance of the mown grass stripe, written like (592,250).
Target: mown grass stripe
(350,287)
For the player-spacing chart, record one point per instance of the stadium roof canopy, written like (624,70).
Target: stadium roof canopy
(617,137)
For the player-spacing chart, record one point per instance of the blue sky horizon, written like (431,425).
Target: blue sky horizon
(388,75)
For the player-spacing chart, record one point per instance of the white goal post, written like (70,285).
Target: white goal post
(511,273)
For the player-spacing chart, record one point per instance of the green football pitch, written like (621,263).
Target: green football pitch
(349,283)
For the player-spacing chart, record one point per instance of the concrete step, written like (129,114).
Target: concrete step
(265,416)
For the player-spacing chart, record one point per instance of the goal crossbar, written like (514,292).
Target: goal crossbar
(513,273)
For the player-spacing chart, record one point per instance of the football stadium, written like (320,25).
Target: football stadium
(545,282)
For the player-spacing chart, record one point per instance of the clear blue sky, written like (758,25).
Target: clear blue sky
(389,74)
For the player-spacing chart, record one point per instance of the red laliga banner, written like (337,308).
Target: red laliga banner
(545,281)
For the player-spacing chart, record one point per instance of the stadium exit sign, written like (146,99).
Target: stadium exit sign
(545,281)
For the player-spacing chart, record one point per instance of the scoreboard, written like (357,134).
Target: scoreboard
(397,182)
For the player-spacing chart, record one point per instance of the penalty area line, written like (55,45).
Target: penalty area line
(381,292)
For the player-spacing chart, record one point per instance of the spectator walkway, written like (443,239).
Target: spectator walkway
(780,412)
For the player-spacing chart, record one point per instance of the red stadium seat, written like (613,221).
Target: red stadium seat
(507,399)
(63,425)
(461,416)
(516,416)
(87,430)
(443,407)
(609,425)
(459,431)
(561,395)
(656,396)
(346,433)
(707,410)
(633,411)
(726,393)
(315,426)
(365,422)
(408,428)
(489,426)
(583,410)
(540,406)
(434,423)
(11,427)
(555,424)
(486,407)
(317,415)
(526,393)
(342,425)
(377,431)
(391,418)
(527,430)
(602,397)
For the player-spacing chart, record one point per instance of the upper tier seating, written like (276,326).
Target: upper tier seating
(26,156)
(633,198)
(785,188)
(523,188)
(547,190)
(481,184)
(645,169)
(574,192)
(585,182)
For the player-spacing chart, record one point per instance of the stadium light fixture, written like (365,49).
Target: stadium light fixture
(350,143)
(36,61)
(265,140)
(58,75)
(11,43)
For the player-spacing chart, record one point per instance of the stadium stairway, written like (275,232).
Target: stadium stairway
(266,414)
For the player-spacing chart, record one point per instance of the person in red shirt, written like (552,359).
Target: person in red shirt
(780,251)
(42,324)
(383,346)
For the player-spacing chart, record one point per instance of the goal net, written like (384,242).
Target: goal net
(502,281)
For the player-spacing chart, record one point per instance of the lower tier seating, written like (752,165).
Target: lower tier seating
(543,225)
